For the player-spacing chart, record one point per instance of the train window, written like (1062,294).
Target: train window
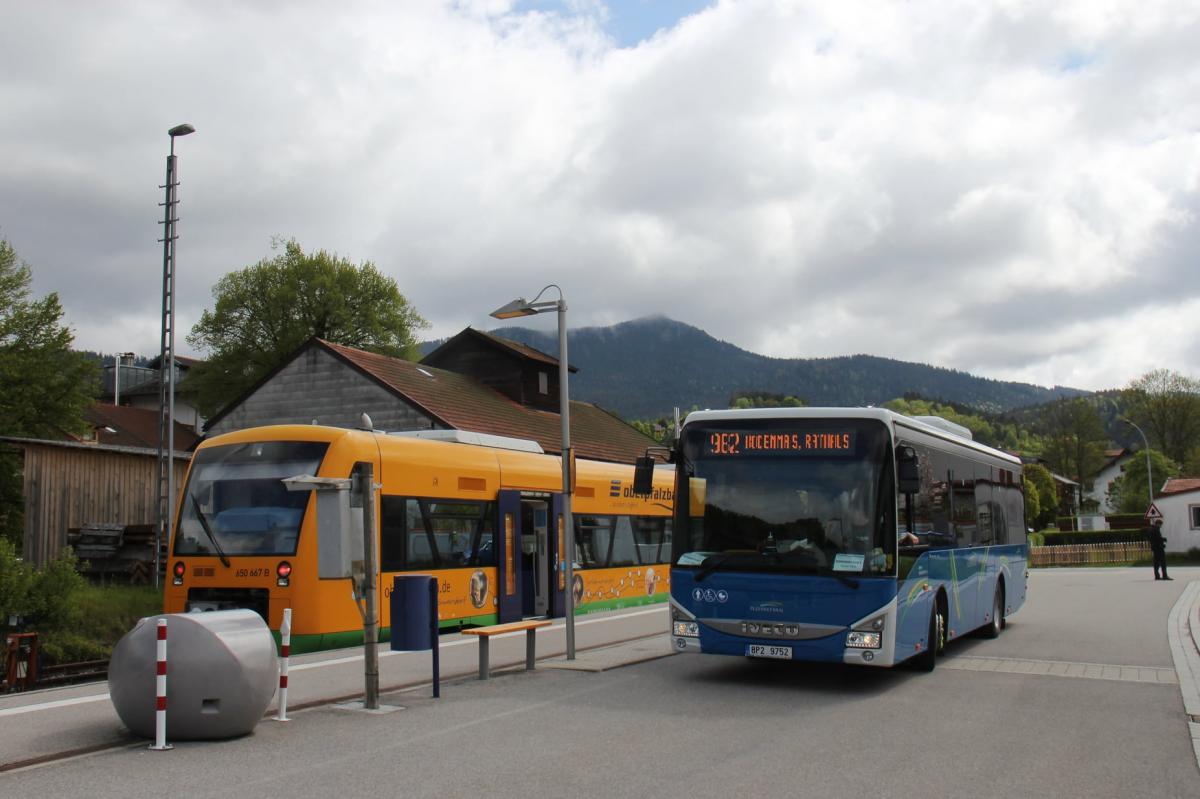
(592,534)
(623,551)
(602,541)
(391,534)
(432,534)
(650,533)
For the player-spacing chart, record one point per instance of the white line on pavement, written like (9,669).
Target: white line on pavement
(83,700)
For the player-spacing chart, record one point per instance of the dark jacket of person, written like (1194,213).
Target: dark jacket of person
(1155,537)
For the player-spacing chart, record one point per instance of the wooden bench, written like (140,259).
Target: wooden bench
(485,633)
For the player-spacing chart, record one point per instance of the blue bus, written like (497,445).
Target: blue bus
(855,536)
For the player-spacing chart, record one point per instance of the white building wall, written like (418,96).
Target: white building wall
(1104,479)
(1178,518)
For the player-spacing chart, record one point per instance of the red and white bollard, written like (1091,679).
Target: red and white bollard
(160,709)
(285,650)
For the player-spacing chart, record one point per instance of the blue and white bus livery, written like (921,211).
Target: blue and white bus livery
(841,535)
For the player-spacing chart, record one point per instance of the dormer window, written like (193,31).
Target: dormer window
(543,383)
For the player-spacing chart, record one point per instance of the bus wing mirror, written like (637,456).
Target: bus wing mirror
(643,469)
(909,472)
(643,476)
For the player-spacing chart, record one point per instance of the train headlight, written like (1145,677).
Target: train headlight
(283,574)
(178,571)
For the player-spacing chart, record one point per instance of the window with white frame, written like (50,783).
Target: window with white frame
(1194,515)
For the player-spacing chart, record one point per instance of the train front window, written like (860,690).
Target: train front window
(235,502)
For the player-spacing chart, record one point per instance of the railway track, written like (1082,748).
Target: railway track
(62,674)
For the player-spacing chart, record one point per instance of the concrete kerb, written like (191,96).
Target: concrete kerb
(1183,632)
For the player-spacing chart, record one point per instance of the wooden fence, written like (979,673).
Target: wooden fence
(1083,554)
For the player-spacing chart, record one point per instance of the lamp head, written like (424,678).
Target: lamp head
(181,130)
(518,307)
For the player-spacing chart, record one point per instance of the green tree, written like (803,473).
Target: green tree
(1033,503)
(1129,492)
(1166,405)
(1039,484)
(1075,438)
(263,313)
(44,386)
(16,578)
(764,399)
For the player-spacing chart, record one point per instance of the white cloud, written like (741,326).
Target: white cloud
(1009,189)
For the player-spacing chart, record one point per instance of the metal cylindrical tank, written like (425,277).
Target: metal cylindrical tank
(222,670)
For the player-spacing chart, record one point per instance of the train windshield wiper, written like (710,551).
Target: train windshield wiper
(208,531)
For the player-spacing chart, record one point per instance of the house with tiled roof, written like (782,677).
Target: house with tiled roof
(474,382)
(1179,503)
(1114,467)
(125,426)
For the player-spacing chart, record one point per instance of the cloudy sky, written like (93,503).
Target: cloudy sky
(1008,188)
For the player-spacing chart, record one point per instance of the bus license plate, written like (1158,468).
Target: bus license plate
(776,652)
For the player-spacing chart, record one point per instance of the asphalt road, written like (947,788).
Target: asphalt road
(696,726)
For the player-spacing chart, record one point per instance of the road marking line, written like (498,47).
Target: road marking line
(1063,668)
(83,700)
(80,700)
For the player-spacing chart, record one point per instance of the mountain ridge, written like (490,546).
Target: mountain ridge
(642,368)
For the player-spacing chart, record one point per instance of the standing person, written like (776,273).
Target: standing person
(1158,546)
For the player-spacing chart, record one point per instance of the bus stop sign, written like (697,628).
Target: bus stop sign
(1153,513)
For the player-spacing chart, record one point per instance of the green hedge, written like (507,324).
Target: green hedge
(1070,537)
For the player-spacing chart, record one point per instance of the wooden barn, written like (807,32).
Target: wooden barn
(108,476)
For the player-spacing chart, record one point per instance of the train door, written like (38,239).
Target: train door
(535,556)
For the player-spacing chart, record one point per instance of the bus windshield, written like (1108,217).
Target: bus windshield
(793,495)
(235,502)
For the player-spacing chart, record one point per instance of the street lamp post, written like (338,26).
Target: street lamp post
(1146,447)
(522,307)
(166,364)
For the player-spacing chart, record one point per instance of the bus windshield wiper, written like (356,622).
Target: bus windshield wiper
(844,579)
(711,564)
(208,531)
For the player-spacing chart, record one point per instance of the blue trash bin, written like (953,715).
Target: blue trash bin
(414,612)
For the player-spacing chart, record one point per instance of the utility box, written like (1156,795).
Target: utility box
(339,524)
(222,670)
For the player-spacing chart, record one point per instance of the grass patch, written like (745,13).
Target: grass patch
(99,615)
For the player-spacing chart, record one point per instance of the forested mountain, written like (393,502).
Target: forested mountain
(644,368)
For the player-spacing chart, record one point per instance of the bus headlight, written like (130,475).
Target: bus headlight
(178,571)
(860,639)
(686,629)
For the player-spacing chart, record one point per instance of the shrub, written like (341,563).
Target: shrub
(1069,537)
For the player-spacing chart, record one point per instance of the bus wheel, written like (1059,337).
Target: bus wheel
(940,640)
(992,630)
(928,659)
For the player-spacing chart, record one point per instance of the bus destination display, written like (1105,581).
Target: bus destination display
(756,443)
